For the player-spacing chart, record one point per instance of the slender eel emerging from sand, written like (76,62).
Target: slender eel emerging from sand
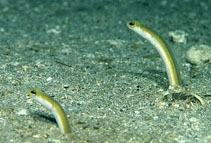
(162,48)
(53,106)
(165,52)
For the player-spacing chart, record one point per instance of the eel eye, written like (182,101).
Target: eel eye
(33,92)
(131,23)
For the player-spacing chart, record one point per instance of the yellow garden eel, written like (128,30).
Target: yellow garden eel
(164,51)
(162,48)
(53,106)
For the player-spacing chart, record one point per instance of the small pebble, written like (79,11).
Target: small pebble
(41,136)
(198,54)
(193,119)
(116,43)
(66,51)
(49,79)
(66,86)
(178,36)
(55,30)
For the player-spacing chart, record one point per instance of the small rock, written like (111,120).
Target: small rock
(116,43)
(49,79)
(193,119)
(66,86)
(178,36)
(198,54)
(66,51)
(55,30)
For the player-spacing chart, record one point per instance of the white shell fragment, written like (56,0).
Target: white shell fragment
(178,36)
(198,54)
(22,112)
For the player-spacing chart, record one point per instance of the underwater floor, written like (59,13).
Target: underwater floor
(110,81)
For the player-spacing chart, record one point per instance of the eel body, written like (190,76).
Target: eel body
(52,105)
(162,48)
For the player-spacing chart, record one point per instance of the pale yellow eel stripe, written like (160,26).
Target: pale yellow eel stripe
(53,106)
(162,48)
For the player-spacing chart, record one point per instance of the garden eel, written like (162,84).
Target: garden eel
(52,105)
(165,53)
(162,48)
